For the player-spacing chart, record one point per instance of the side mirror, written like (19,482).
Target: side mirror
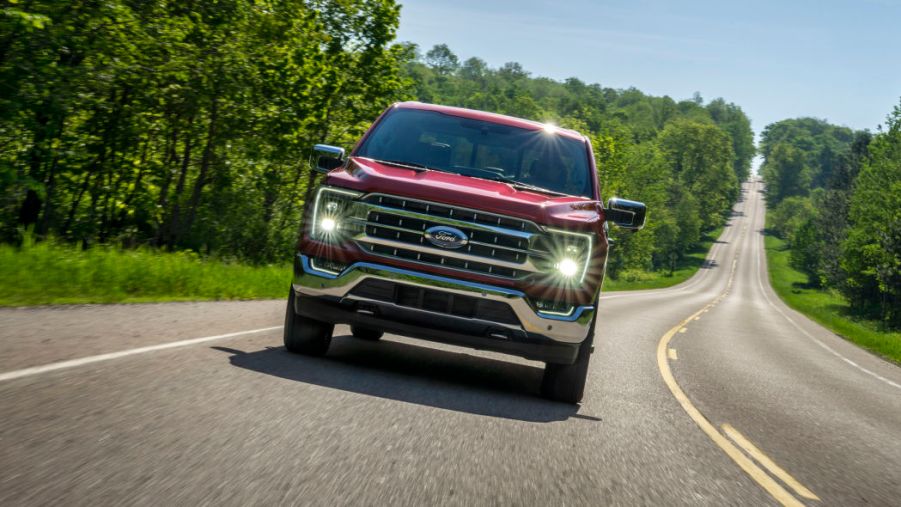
(325,158)
(626,214)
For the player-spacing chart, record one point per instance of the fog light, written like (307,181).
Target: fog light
(328,224)
(568,267)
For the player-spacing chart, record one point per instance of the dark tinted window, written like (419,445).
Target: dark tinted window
(481,149)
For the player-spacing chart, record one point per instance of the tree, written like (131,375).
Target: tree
(701,157)
(786,173)
(732,120)
(182,124)
(871,256)
(442,60)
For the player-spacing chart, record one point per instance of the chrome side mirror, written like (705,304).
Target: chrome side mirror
(325,158)
(626,214)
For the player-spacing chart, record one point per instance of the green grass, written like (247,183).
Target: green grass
(829,308)
(685,269)
(51,273)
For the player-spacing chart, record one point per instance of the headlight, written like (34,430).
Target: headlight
(332,210)
(569,255)
(568,267)
(328,224)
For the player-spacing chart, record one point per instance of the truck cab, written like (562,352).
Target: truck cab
(462,227)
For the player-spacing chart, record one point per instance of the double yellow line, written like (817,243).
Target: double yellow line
(740,458)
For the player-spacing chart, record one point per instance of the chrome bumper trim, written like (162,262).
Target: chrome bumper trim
(571,328)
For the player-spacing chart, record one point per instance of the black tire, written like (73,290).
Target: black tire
(566,382)
(304,335)
(366,333)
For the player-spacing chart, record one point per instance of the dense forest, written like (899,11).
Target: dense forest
(188,124)
(835,196)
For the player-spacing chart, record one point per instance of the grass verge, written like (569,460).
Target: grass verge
(51,273)
(828,308)
(685,269)
(54,273)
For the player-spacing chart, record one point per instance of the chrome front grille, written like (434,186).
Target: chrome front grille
(452,212)
(493,245)
(395,227)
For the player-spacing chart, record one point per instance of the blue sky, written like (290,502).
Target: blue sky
(833,59)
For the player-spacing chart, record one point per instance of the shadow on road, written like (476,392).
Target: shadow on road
(421,375)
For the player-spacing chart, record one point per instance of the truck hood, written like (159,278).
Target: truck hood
(367,175)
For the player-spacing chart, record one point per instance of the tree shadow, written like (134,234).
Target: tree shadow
(412,374)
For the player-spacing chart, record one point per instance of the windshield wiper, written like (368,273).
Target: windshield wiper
(401,163)
(524,186)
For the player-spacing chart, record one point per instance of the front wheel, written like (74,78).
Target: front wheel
(566,382)
(304,335)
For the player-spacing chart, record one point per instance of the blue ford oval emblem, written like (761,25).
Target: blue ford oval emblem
(446,237)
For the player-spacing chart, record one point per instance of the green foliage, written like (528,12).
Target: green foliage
(734,122)
(871,256)
(183,124)
(800,154)
(835,196)
(700,155)
(826,306)
(49,272)
(786,173)
(806,252)
(789,215)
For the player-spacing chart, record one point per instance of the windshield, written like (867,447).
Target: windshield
(481,149)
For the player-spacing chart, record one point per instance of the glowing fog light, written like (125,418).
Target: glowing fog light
(328,224)
(568,267)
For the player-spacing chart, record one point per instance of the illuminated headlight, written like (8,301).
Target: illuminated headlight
(332,210)
(328,224)
(568,267)
(569,254)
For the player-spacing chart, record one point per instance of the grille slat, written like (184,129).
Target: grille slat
(457,213)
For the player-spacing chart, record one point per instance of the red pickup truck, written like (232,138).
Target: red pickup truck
(462,227)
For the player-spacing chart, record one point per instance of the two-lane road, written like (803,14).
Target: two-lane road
(712,392)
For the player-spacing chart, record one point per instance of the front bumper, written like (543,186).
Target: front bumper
(328,296)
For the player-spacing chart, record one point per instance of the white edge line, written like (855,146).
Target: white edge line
(72,363)
(816,340)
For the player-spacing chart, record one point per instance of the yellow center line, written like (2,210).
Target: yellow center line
(779,493)
(672,354)
(755,472)
(764,460)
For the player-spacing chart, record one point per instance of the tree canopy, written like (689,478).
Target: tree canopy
(835,196)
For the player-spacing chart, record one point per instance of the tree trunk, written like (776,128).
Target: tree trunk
(172,230)
(205,163)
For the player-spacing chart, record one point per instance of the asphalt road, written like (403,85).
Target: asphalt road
(106,405)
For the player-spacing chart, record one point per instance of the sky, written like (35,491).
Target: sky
(839,60)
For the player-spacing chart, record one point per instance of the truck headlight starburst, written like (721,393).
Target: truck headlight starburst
(331,211)
(570,254)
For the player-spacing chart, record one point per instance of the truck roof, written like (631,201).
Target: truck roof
(474,114)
